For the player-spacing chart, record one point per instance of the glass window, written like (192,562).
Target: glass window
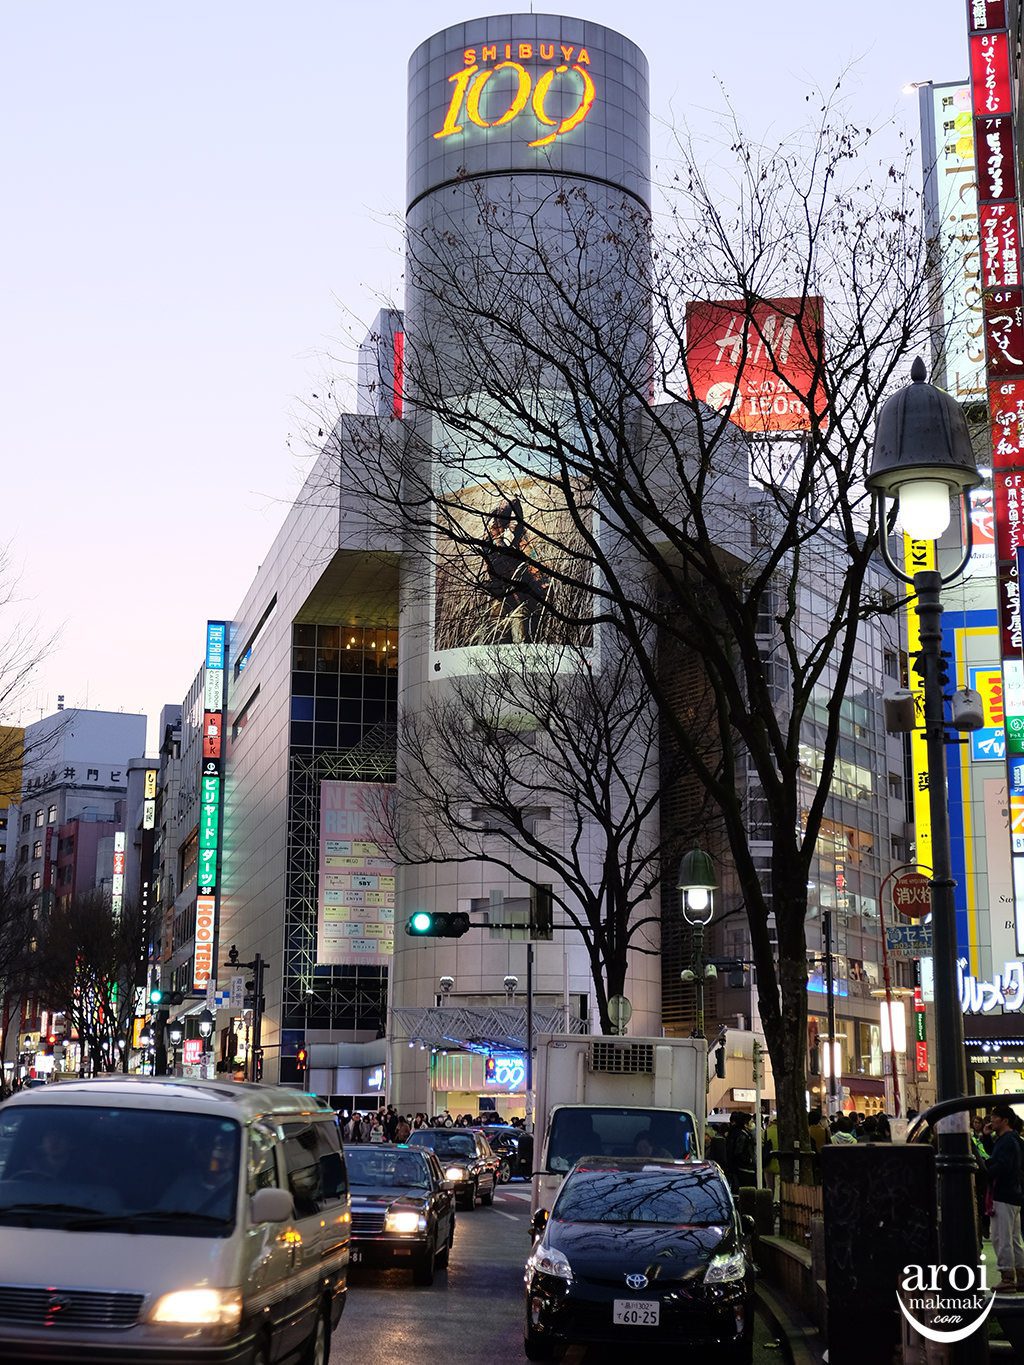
(37,850)
(446,1144)
(303,1168)
(149,1171)
(37,881)
(262,1163)
(51,815)
(682,1197)
(26,823)
(616,1132)
(39,817)
(387,1169)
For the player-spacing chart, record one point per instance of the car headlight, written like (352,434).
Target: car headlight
(550,1261)
(404,1220)
(455,1173)
(199,1308)
(725,1268)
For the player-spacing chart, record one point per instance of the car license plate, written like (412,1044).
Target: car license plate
(355,1256)
(636,1312)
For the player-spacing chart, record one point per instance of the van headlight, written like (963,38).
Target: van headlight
(199,1308)
(550,1261)
(404,1220)
(455,1173)
(726,1268)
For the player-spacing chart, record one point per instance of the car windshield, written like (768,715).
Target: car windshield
(96,1167)
(444,1142)
(388,1170)
(649,1195)
(592,1131)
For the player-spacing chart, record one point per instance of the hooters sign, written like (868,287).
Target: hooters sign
(546,87)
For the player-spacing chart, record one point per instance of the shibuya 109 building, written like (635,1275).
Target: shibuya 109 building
(423,710)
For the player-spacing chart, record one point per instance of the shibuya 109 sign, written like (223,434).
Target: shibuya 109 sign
(547,83)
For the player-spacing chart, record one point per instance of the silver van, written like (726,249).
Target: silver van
(159,1219)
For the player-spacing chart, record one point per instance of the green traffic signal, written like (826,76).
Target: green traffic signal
(155,996)
(444,924)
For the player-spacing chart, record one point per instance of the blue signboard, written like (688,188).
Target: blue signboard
(216,635)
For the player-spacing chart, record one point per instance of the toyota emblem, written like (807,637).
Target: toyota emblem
(637,1281)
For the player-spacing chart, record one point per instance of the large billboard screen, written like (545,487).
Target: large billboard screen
(356,919)
(511,564)
(757,362)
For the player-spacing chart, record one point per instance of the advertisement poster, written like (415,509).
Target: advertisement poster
(356,903)
(757,363)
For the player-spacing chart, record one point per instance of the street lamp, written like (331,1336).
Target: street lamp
(696,886)
(175,1036)
(922,458)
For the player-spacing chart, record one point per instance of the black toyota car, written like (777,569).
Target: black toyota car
(641,1250)
(403,1209)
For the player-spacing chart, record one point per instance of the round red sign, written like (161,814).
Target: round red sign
(912,895)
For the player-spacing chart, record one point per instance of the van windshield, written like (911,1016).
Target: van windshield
(94,1168)
(588,1130)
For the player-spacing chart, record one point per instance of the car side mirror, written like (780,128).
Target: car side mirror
(538,1223)
(748,1224)
(271,1206)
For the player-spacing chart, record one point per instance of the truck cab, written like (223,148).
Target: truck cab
(616,1097)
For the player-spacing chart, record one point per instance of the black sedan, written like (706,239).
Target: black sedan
(403,1209)
(641,1250)
(467,1159)
(514,1149)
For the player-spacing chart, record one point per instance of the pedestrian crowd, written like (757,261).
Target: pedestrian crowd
(388,1125)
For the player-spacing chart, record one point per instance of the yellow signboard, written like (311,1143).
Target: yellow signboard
(918,555)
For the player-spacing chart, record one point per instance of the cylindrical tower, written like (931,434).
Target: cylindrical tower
(528,210)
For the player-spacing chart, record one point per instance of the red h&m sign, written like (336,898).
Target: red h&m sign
(758,363)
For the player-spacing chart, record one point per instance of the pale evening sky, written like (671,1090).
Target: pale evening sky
(199,210)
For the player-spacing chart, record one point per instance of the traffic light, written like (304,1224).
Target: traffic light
(51,1043)
(155,993)
(541,911)
(301,1057)
(441,924)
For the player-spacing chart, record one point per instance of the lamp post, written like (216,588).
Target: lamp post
(696,886)
(175,1036)
(205,1024)
(922,458)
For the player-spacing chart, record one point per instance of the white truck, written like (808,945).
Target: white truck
(618,1096)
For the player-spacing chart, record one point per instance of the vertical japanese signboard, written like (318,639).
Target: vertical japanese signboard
(1003,314)
(919,555)
(211,783)
(117,881)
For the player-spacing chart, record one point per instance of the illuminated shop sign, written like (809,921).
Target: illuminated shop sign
(495,87)
(117,883)
(211,784)
(505,1072)
(1006,992)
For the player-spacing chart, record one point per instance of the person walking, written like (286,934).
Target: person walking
(1004,1168)
(739,1151)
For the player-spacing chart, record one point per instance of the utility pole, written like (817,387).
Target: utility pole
(257,966)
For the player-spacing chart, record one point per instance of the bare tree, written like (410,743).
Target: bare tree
(529,380)
(548,768)
(89,965)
